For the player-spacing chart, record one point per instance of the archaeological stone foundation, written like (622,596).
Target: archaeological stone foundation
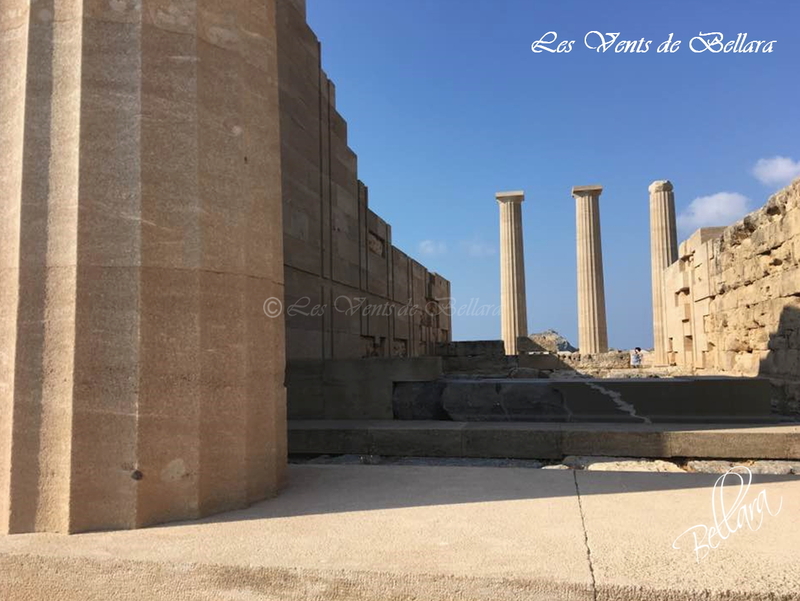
(732,299)
(141,232)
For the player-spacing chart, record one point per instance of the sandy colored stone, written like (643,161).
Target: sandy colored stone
(352,288)
(336,533)
(736,299)
(777,468)
(513,299)
(592,325)
(345,533)
(634,466)
(140,196)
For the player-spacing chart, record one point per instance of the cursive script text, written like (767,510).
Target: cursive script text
(729,519)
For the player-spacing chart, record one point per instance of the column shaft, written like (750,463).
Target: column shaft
(514,315)
(592,326)
(663,253)
(140,381)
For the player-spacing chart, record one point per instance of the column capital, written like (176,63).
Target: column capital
(661,185)
(514,196)
(594,190)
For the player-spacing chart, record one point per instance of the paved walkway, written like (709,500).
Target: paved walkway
(436,533)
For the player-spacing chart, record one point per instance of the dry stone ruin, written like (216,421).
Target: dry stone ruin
(733,299)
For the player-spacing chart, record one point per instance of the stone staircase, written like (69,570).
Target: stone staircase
(678,400)
(471,402)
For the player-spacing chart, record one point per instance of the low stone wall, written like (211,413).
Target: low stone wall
(487,358)
(349,292)
(610,360)
(352,388)
(673,400)
(733,299)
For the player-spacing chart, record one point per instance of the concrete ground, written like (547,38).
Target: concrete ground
(436,533)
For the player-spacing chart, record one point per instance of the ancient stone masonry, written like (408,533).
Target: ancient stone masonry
(592,326)
(512,270)
(140,232)
(374,300)
(663,253)
(733,298)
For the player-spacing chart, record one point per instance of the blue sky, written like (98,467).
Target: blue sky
(447,104)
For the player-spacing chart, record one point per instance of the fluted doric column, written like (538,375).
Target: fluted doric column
(663,253)
(140,185)
(592,327)
(512,270)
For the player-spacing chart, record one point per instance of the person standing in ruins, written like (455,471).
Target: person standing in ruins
(636,357)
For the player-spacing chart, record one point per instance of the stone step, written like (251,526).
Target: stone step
(671,400)
(537,440)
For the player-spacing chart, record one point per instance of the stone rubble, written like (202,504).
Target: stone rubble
(620,464)
(586,463)
(735,299)
(709,466)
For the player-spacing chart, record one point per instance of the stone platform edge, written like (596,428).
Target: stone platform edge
(529,440)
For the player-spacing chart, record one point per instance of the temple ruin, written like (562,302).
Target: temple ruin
(153,210)
(200,313)
(592,327)
(168,174)
(338,253)
(141,233)
(513,299)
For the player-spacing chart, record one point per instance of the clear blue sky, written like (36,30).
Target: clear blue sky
(446,104)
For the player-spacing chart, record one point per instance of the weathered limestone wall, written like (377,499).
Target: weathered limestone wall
(336,249)
(140,232)
(733,298)
(689,292)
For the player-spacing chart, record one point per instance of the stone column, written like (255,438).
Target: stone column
(663,253)
(514,312)
(140,212)
(592,327)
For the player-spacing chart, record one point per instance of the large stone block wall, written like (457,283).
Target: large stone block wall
(346,284)
(140,232)
(733,298)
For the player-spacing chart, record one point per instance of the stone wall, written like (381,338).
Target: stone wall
(347,283)
(599,361)
(733,298)
(140,232)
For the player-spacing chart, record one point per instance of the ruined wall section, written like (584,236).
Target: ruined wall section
(688,300)
(347,285)
(734,298)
